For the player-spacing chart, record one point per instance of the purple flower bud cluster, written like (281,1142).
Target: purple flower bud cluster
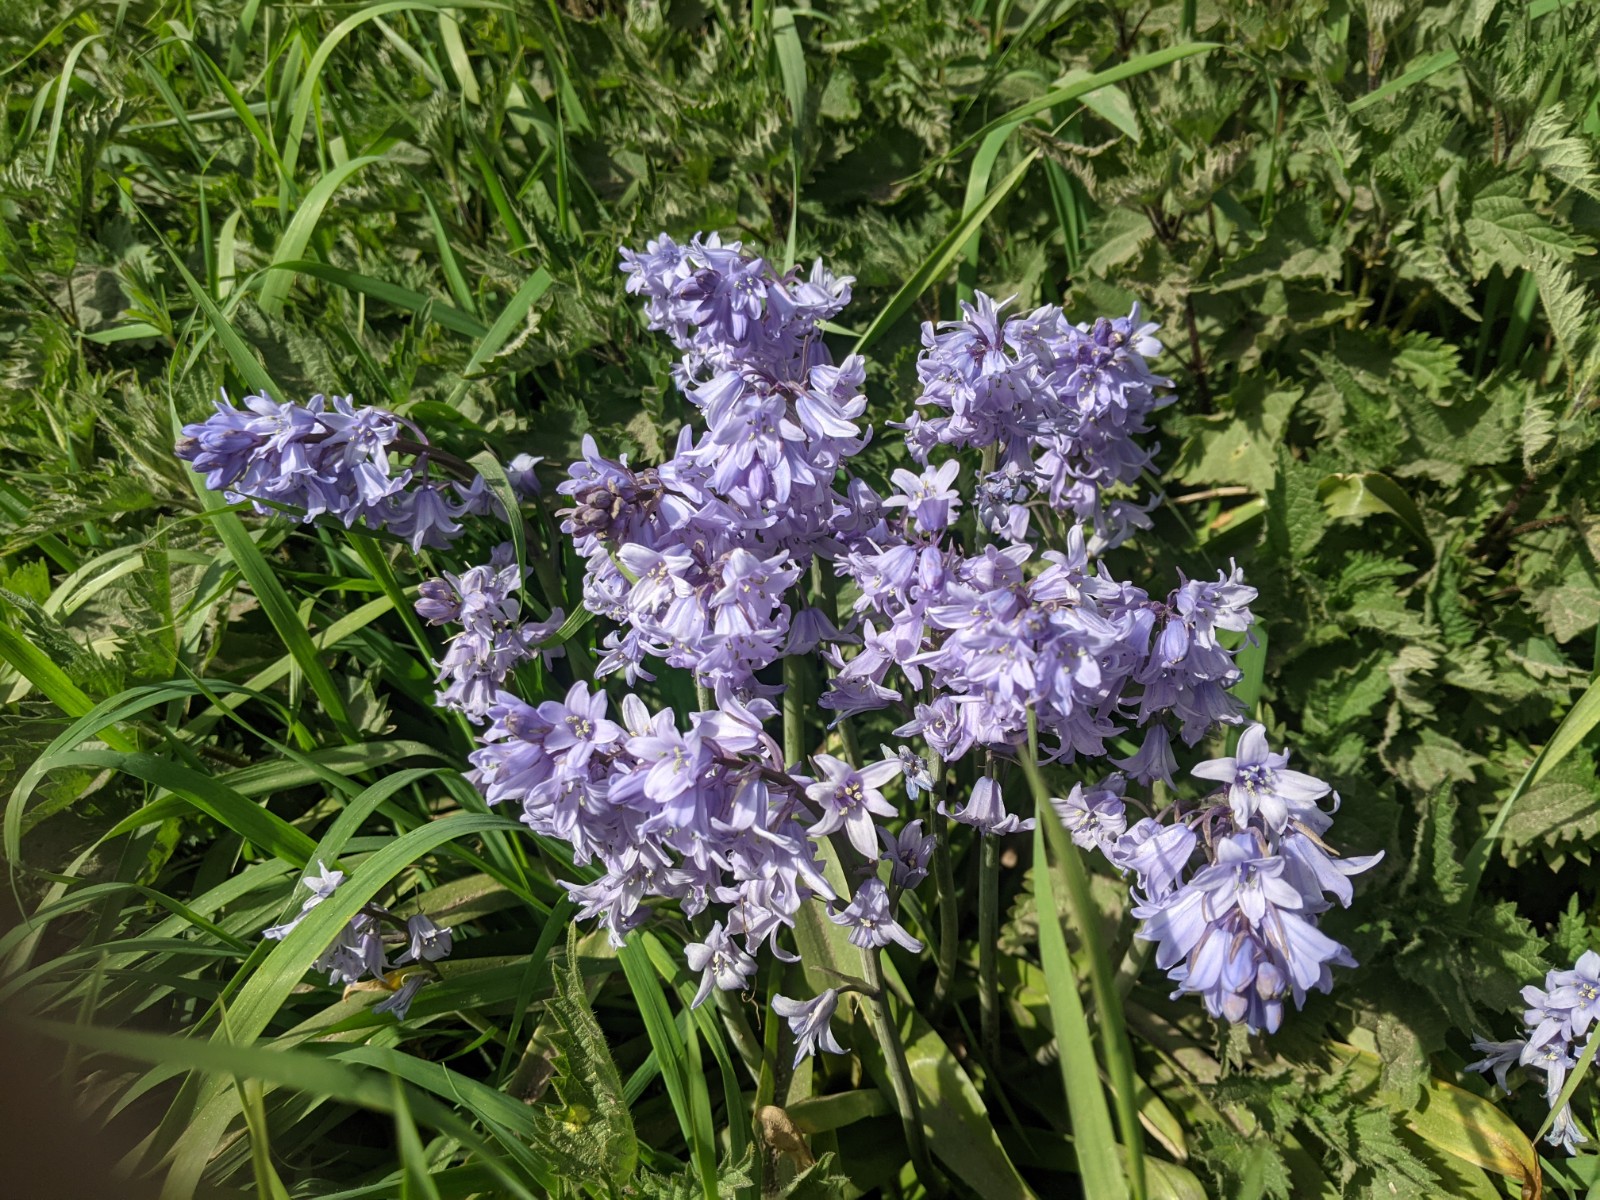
(1559,1021)
(329,457)
(493,638)
(728,310)
(1063,403)
(996,640)
(360,948)
(1240,929)
(692,558)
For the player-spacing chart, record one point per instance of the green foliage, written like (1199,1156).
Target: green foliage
(1368,233)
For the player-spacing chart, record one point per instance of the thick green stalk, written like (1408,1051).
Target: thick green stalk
(944,884)
(794,712)
(988,938)
(894,1057)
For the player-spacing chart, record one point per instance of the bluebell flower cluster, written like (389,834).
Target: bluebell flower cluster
(705,816)
(1560,1022)
(493,638)
(332,458)
(1230,889)
(692,558)
(363,946)
(698,561)
(1063,405)
(996,637)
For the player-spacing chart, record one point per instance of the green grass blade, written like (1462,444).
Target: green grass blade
(444,315)
(943,255)
(792,68)
(977,189)
(289,960)
(40,670)
(1579,722)
(514,313)
(292,246)
(279,609)
(1081,87)
(301,1070)
(673,1057)
(416,1181)
(259,826)
(1102,974)
(1096,1146)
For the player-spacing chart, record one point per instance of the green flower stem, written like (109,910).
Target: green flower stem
(1132,966)
(794,712)
(944,884)
(988,939)
(745,1042)
(894,1057)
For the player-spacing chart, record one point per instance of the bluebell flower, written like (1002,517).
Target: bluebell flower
(809,1022)
(986,812)
(721,962)
(322,885)
(330,458)
(1157,854)
(913,770)
(1259,781)
(493,639)
(849,799)
(1154,759)
(907,853)
(399,1001)
(1241,937)
(1559,1023)
(1095,816)
(1499,1057)
(870,919)
(429,943)
(521,475)
(929,500)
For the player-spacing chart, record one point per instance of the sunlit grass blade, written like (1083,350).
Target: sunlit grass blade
(676,1060)
(977,189)
(292,245)
(304,1071)
(1089,83)
(257,825)
(403,298)
(1098,1161)
(1102,976)
(514,313)
(943,256)
(1579,722)
(41,670)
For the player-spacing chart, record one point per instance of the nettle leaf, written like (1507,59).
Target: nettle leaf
(1239,446)
(1563,807)
(1432,365)
(1559,152)
(1296,519)
(1504,230)
(1473,969)
(1567,306)
(596,1125)
(1291,249)
(1121,236)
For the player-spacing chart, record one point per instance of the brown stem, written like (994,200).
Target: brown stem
(1494,531)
